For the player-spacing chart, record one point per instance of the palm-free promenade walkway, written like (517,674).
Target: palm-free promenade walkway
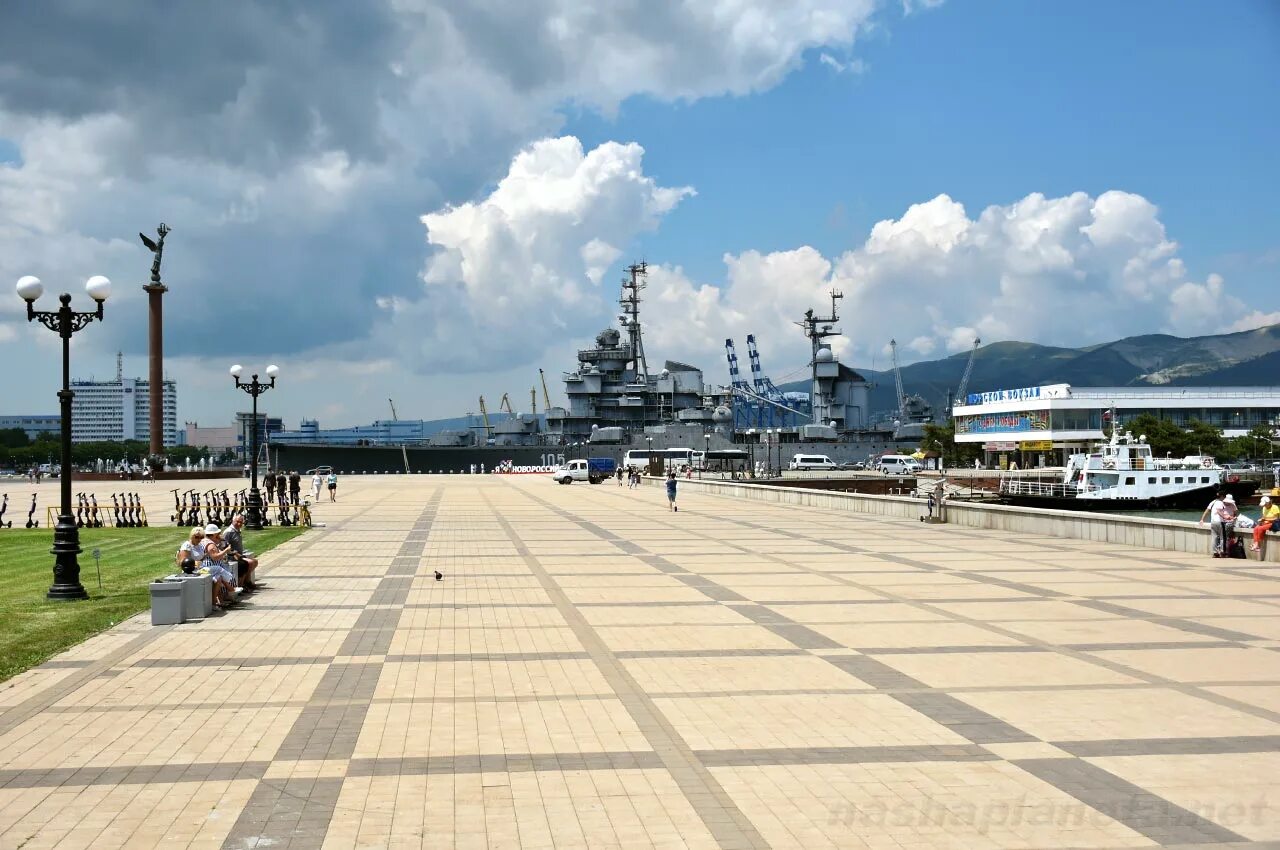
(595,671)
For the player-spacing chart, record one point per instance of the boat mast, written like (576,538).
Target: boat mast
(630,301)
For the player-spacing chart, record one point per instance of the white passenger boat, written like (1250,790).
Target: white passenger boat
(1123,475)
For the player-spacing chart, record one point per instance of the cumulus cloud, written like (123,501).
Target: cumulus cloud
(1068,271)
(293,146)
(523,267)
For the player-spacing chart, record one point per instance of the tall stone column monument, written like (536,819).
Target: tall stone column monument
(155,292)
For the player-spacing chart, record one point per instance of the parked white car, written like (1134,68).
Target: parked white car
(813,462)
(898,465)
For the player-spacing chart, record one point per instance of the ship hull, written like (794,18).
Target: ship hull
(1186,500)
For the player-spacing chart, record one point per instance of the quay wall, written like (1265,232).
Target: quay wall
(1169,534)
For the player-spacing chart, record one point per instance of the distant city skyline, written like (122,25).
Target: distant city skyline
(431,211)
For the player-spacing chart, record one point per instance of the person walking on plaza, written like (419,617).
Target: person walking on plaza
(671,490)
(269,482)
(333,487)
(317,481)
(295,486)
(1221,512)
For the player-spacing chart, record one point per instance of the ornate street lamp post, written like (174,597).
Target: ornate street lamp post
(706,438)
(255,388)
(64,322)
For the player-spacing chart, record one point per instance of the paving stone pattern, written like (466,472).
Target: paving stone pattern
(595,671)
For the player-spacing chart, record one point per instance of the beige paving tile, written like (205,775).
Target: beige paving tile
(954,670)
(899,635)
(1083,715)
(701,675)
(1202,665)
(763,722)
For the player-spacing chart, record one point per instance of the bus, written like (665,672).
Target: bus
(671,458)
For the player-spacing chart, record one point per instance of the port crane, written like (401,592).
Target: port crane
(546,396)
(897,381)
(968,371)
(505,404)
(484,415)
(394,417)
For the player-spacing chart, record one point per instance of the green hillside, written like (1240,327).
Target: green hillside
(1246,358)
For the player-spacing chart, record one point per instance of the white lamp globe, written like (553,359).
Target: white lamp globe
(99,288)
(30,288)
(273,370)
(236,370)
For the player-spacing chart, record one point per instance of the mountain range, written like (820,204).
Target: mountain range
(1245,358)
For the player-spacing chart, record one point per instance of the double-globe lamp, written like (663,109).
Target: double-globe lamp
(65,322)
(255,388)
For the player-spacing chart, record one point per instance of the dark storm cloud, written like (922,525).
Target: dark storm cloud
(260,82)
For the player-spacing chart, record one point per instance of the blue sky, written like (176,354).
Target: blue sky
(441,200)
(987,102)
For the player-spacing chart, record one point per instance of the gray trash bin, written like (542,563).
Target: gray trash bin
(166,603)
(197,596)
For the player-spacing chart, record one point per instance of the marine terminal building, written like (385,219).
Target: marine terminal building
(1041,425)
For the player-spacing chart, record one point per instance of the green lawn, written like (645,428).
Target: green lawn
(32,629)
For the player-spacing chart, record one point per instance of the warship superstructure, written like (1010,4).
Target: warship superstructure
(616,402)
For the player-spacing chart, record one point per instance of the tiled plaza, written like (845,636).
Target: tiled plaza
(595,671)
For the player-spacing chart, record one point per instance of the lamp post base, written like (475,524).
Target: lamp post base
(253,510)
(66,568)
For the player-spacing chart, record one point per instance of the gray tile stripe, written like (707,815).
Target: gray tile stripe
(844,755)
(786,628)
(498,657)
(1172,746)
(1029,589)
(143,774)
(503,763)
(731,828)
(1133,806)
(963,719)
(288,813)
(706,653)
(1173,622)
(942,650)
(296,813)
(233,663)
(1170,644)
(555,762)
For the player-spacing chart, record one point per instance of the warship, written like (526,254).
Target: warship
(617,403)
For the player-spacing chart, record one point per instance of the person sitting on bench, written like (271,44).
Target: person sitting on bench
(245,561)
(1270,513)
(196,548)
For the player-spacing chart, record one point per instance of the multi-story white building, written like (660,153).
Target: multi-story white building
(120,410)
(1045,424)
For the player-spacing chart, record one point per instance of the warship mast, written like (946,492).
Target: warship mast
(818,328)
(630,301)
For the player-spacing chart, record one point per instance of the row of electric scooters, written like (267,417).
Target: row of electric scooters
(194,508)
(126,512)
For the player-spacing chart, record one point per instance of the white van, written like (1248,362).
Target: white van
(898,465)
(813,462)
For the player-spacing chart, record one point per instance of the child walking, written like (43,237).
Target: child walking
(671,490)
